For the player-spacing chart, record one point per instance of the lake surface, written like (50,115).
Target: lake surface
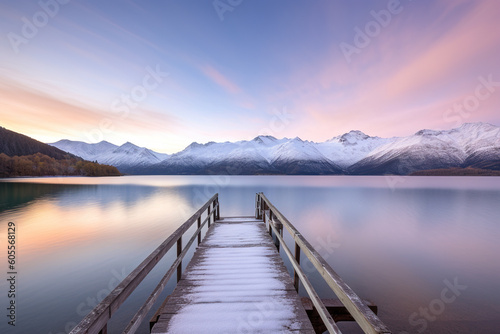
(424,249)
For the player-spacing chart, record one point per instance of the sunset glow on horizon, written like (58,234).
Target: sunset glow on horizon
(162,75)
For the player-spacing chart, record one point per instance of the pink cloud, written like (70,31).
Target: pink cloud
(468,42)
(221,79)
(37,113)
(405,80)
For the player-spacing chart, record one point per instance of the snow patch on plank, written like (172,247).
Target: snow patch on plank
(235,286)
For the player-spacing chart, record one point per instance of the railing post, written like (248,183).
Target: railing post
(263,211)
(279,227)
(104,330)
(270,222)
(295,275)
(260,207)
(208,214)
(179,251)
(218,208)
(258,214)
(199,233)
(214,212)
(256,201)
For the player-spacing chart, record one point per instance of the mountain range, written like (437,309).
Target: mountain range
(470,145)
(128,156)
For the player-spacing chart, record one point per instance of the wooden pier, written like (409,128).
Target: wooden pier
(237,282)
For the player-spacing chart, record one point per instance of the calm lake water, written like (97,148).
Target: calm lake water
(424,249)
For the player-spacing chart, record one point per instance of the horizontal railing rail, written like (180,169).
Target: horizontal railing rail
(96,321)
(366,319)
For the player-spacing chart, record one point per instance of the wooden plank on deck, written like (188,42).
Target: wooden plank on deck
(235,283)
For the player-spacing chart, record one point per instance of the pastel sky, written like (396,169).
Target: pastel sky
(162,74)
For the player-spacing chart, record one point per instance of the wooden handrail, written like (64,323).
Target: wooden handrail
(320,307)
(96,321)
(367,320)
(146,307)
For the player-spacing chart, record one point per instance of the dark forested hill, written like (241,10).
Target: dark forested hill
(21,155)
(457,172)
(13,143)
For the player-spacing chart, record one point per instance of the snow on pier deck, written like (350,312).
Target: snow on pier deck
(235,283)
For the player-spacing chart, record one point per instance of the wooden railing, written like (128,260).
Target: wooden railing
(366,319)
(96,321)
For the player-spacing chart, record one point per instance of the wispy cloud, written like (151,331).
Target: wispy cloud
(220,79)
(448,58)
(25,109)
(400,85)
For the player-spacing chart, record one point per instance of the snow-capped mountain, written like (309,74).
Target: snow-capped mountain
(428,149)
(262,155)
(126,157)
(351,147)
(351,153)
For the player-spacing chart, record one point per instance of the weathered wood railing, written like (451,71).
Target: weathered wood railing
(96,321)
(366,319)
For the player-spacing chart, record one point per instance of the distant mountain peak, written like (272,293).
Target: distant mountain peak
(467,124)
(194,145)
(350,138)
(129,144)
(264,138)
(477,125)
(427,132)
(353,136)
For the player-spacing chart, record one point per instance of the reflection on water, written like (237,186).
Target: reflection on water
(394,245)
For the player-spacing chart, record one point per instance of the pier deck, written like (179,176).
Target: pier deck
(235,283)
